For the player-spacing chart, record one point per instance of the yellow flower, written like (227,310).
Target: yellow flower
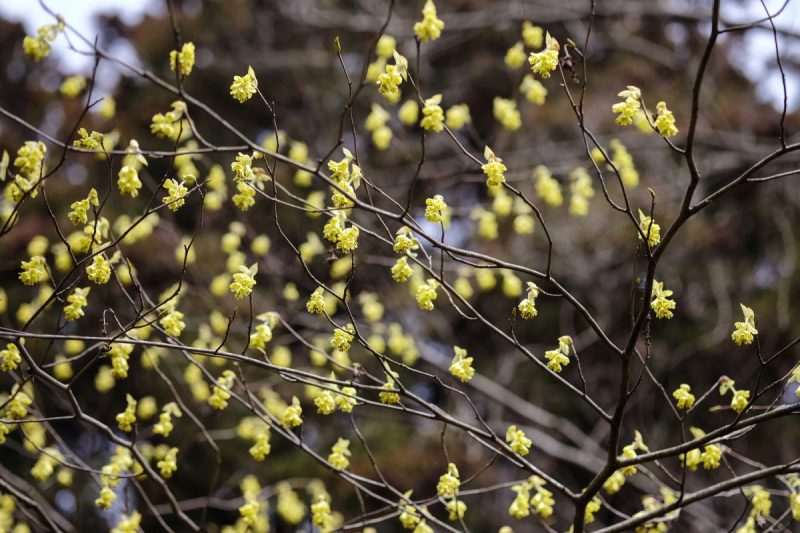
(342,337)
(527,307)
(684,396)
(430,27)
(72,86)
(177,192)
(533,90)
(457,116)
(456,509)
(291,416)
(408,112)
(389,81)
(34,271)
(401,271)
(221,394)
(164,426)
(90,141)
(449,482)
(739,400)
(77,301)
(245,197)
(169,463)
(745,332)
(506,113)
(173,323)
(435,209)
(558,358)
(183,59)
(244,87)
(388,395)
(99,271)
(244,281)
(515,56)
(9,358)
(650,229)
(493,168)
(385,46)
(665,121)
(340,453)
(546,61)
(627,109)
(547,188)
(661,303)
(127,418)
(432,114)
(461,366)
(532,35)
(105,499)
(426,294)
(79,210)
(128,181)
(519,443)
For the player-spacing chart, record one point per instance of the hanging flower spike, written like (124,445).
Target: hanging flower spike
(433,114)
(665,121)
(557,359)
(649,228)
(684,396)
(546,61)
(244,281)
(244,87)
(435,209)
(183,60)
(494,169)
(527,307)
(461,366)
(745,332)
(627,109)
(430,27)
(516,439)
(661,303)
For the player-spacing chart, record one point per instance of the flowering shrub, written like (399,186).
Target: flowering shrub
(439,327)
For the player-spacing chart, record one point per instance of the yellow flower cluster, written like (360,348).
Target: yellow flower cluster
(506,113)
(684,397)
(426,294)
(243,281)
(389,81)
(169,125)
(665,121)
(168,464)
(90,141)
(542,501)
(292,415)
(739,399)
(340,454)
(9,358)
(34,271)
(449,482)
(432,114)
(401,271)
(661,302)
(533,90)
(39,47)
(177,192)
(494,169)
(557,359)
(127,418)
(79,210)
(461,365)
(77,301)
(581,188)
(516,439)
(547,187)
(164,426)
(183,60)
(430,27)
(457,116)
(649,229)
(221,394)
(72,86)
(745,332)
(527,307)
(376,123)
(545,62)
(435,209)
(629,107)
(244,87)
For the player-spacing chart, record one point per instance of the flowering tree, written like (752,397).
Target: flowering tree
(400,324)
